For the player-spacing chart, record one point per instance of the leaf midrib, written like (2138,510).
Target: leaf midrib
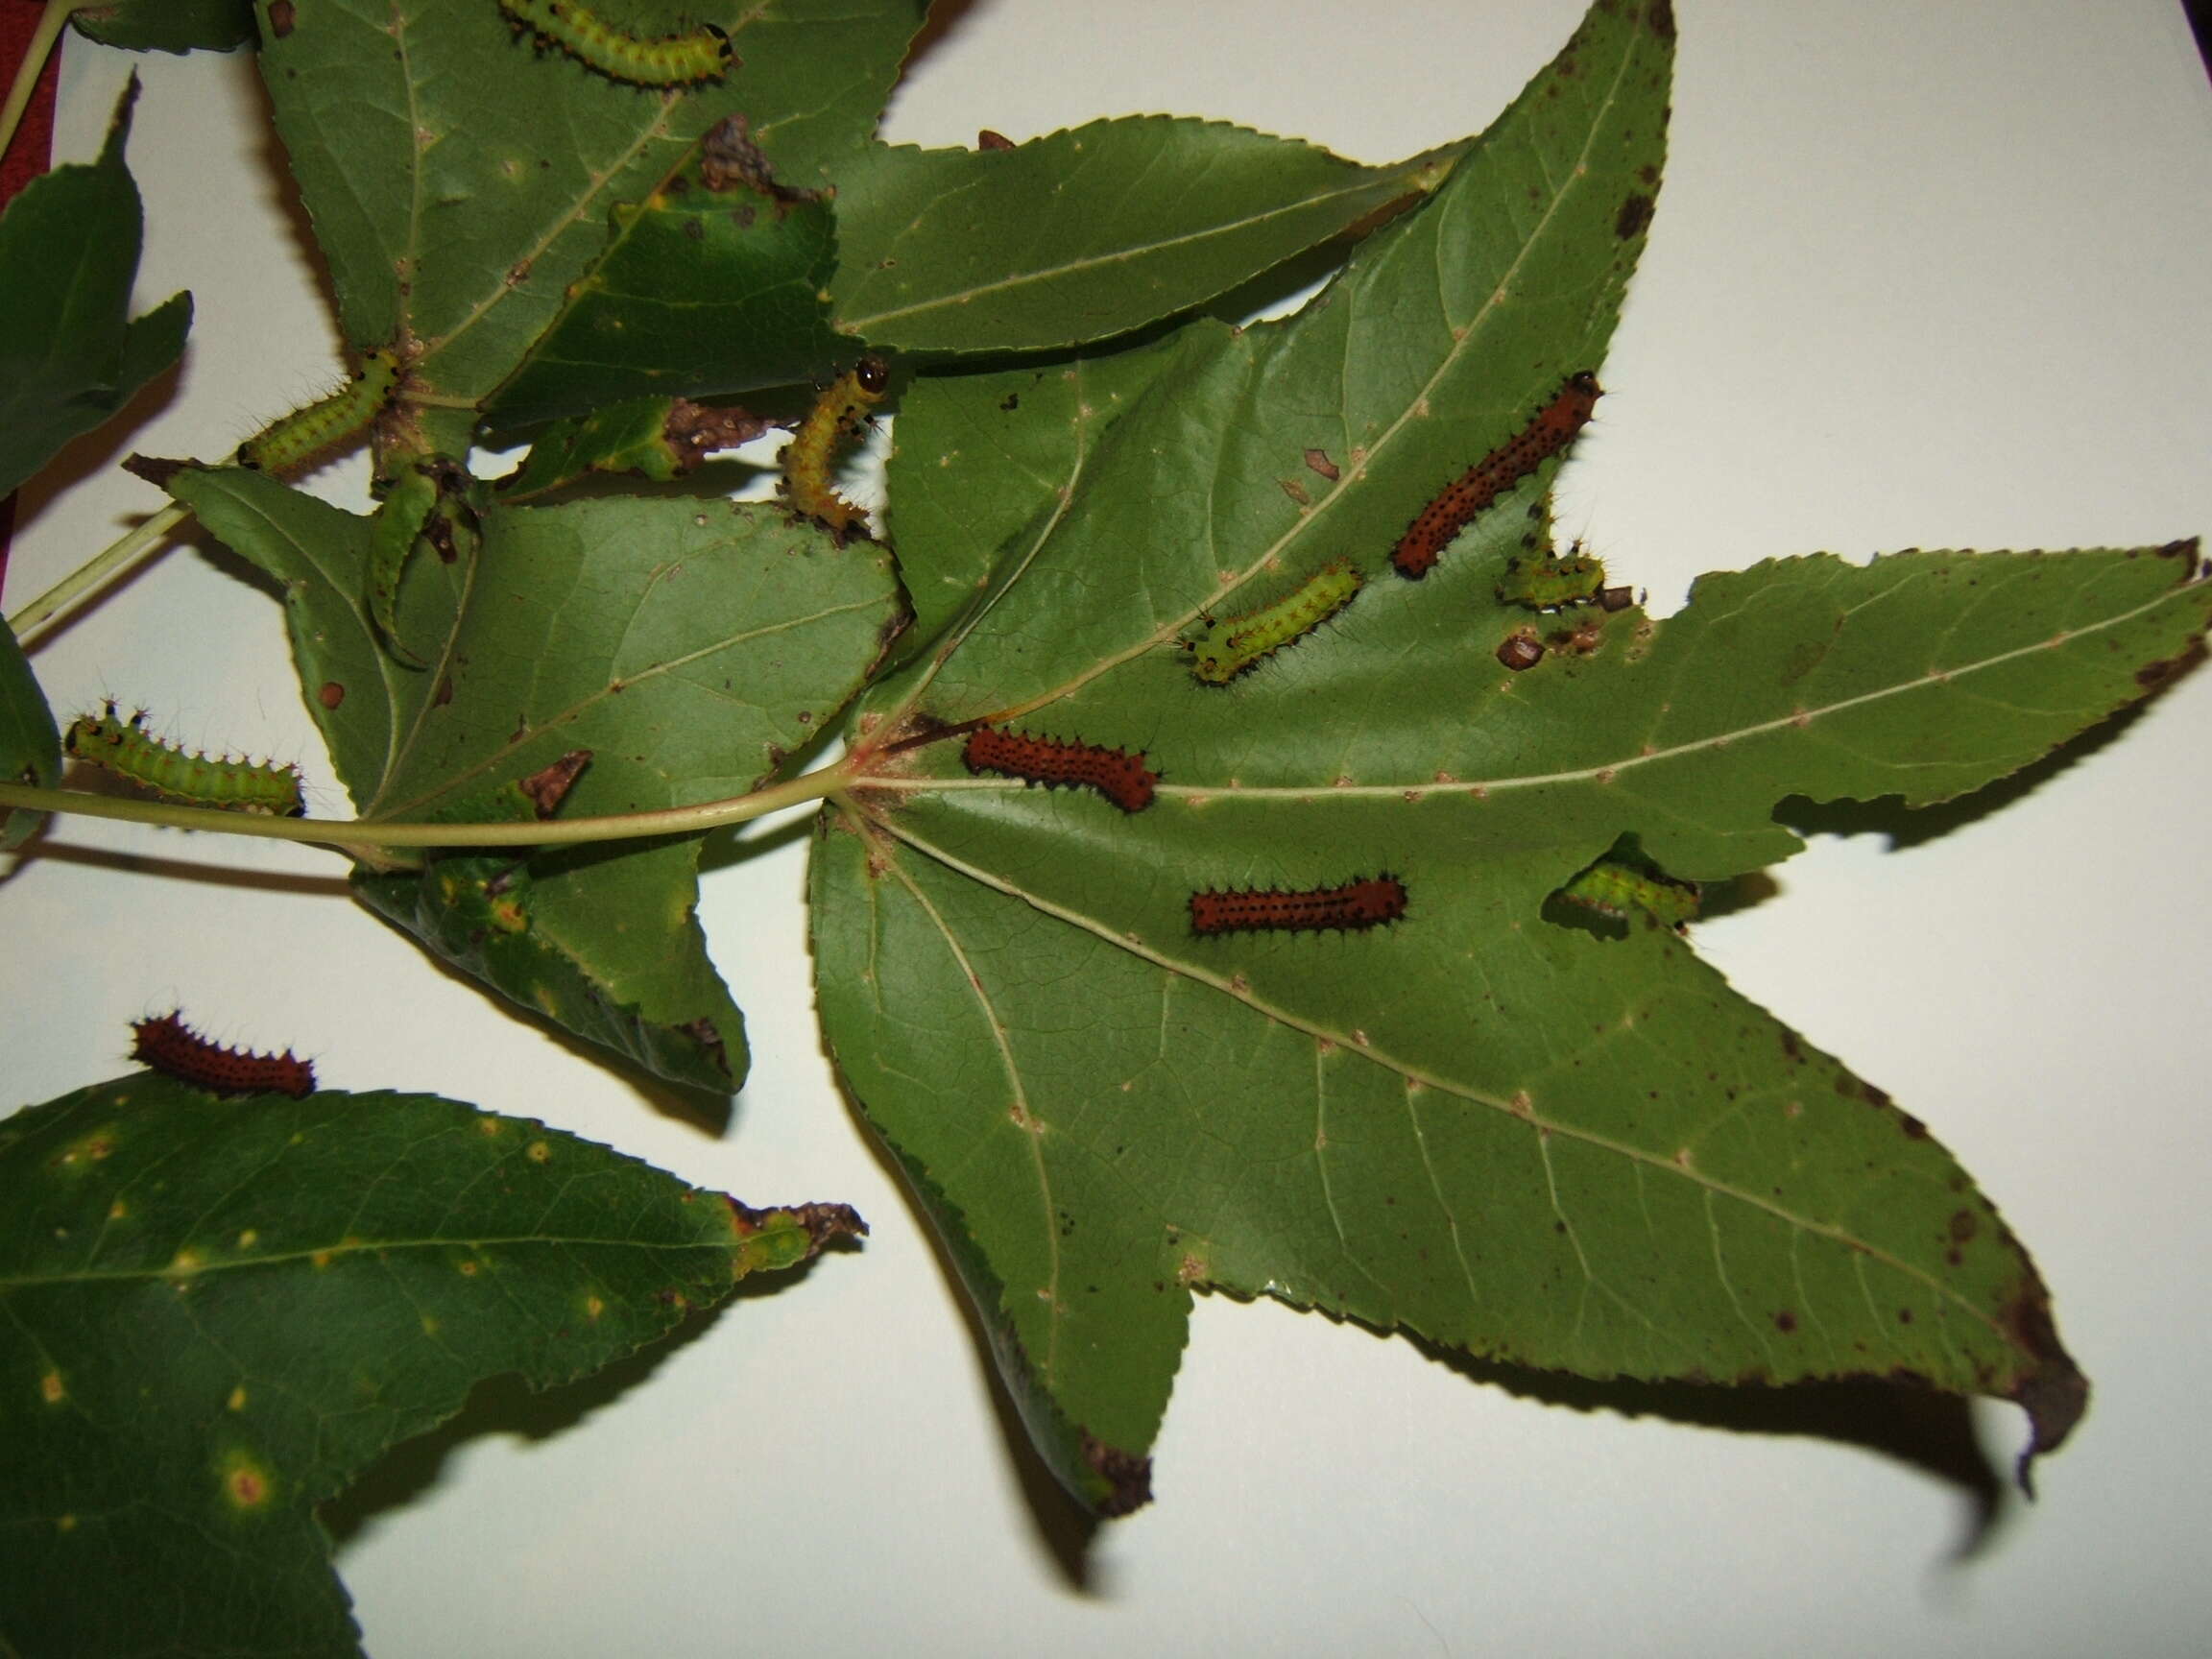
(955,299)
(174,1274)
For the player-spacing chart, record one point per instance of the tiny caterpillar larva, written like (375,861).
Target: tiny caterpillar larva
(1224,650)
(172,1048)
(128,749)
(1543,582)
(1452,511)
(1119,775)
(290,441)
(1613,887)
(665,60)
(1367,903)
(809,459)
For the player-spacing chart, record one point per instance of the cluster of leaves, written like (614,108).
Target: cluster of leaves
(1476,1121)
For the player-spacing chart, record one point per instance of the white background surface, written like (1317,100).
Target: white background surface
(1921,275)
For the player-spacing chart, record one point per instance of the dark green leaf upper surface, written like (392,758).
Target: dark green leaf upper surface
(218,1312)
(71,354)
(1468,1121)
(1086,234)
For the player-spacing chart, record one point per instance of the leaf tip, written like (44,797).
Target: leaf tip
(2051,1389)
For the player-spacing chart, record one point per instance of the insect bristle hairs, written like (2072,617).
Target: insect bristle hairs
(173,1048)
(1222,650)
(1119,775)
(635,60)
(291,442)
(1367,903)
(1554,427)
(128,749)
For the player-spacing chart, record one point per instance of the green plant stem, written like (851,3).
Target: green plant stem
(348,836)
(65,593)
(49,30)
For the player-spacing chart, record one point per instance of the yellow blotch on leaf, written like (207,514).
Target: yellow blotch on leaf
(248,1485)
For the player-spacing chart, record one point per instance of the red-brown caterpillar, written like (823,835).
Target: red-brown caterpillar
(1367,903)
(809,482)
(1119,775)
(1553,428)
(173,1048)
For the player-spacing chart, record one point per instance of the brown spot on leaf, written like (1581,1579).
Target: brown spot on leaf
(695,431)
(1521,649)
(2052,1391)
(331,695)
(987,140)
(154,470)
(1317,460)
(1662,16)
(1964,1224)
(1635,213)
(821,1222)
(1786,1322)
(729,159)
(1128,1476)
(703,1032)
(282,14)
(548,787)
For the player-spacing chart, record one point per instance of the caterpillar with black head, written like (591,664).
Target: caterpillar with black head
(1220,651)
(291,442)
(128,749)
(1543,582)
(1119,775)
(809,459)
(1554,427)
(635,60)
(173,1048)
(1367,903)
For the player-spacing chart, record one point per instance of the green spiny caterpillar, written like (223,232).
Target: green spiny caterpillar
(809,459)
(126,748)
(1613,887)
(291,442)
(1543,582)
(1224,650)
(668,60)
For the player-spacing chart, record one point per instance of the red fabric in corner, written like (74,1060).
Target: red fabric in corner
(27,156)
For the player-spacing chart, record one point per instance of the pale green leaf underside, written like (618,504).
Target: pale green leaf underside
(1087,234)
(1515,1137)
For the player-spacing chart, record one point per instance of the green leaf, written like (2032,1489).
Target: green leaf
(1470,1123)
(167,25)
(656,437)
(605,944)
(72,356)
(708,287)
(1001,448)
(219,1310)
(460,181)
(1087,234)
(684,649)
(30,742)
